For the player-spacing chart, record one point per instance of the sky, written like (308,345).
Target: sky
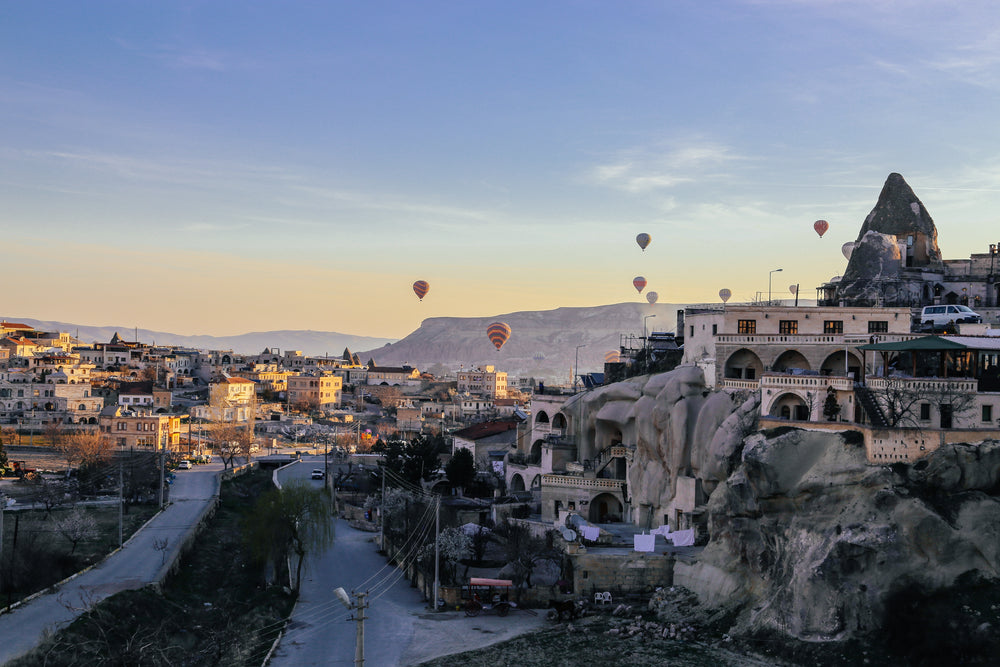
(225,167)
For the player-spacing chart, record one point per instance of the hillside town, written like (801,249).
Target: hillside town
(617,476)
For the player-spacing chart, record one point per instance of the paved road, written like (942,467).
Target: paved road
(400,630)
(136,565)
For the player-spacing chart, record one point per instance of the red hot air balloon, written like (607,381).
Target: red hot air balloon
(652,297)
(639,283)
(420,288)
(725,294)
(498,333)
(821,226)
(643,240)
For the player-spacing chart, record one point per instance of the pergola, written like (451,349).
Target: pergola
(962,356)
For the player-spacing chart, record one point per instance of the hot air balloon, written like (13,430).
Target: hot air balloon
(420,288)
(639,283)
(643,240)
(821,226)
(652,297)
(847,249)
(794,289)
(612,357)
(498,333)
(724,294)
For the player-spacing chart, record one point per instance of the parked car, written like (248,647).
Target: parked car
(184,465)
(318,474)
(941,316)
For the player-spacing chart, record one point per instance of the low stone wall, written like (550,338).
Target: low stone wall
(629,573)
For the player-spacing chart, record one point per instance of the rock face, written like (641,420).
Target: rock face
(809,541)
(679,428)
(898,234)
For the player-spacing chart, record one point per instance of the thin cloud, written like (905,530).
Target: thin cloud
(371,203)
(645,170)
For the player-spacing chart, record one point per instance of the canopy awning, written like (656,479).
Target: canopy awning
(924,344)
(501,583)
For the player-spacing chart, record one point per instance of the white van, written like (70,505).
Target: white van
(940,316)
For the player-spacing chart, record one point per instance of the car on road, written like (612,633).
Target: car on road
(184,465)
(318,474)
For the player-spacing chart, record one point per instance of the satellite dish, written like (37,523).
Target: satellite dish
(568,534)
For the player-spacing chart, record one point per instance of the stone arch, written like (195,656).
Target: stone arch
(605,508)
(536,483)
(542,417)
(789,406)
(790,359)
(744,364)
(834,364)
(82,407)
(49,406)
(535,455)
(92,420)
(559,421)
(516,483)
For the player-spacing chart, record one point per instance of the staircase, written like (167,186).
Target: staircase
(867,401)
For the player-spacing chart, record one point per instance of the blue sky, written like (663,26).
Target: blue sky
(221,167)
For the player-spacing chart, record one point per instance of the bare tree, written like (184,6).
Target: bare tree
(54,432)
(85,448)
(900,400)
(76,526)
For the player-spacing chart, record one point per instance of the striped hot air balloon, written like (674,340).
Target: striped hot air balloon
(643,240)
(612,357)
(498,333)
(725,294)
(821,226)
(639,283)
(420,288)
(652,297)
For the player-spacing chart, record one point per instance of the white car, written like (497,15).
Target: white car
(184,465)
(318,474)
(939,316)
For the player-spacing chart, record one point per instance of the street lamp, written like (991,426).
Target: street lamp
(576,365)
(769,285)
(644,328)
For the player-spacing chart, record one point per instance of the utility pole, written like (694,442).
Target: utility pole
(162,477)
(121,504)
(381,514)
(437,560)
(359,647)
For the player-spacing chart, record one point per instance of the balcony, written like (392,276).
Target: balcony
(587,482)
(839,340)
(786,382)
(929,385)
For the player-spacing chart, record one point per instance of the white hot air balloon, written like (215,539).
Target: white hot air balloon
(847,249)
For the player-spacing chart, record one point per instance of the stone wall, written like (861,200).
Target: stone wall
(632,572)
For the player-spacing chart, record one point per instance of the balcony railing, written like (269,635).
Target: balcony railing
(811,339)
(925,384)
(572,481)
(783,381)
(731,383)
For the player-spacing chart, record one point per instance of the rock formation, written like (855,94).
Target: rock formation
(810,541)
(807,539)
(899,234)
(679,428)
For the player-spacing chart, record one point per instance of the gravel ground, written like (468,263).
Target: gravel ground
(451,632)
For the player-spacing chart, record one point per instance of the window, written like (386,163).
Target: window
(788,326)
(833,327)
(878,326)
(987,413)
(925,412)
(715,329)
(746,326)
(692,331)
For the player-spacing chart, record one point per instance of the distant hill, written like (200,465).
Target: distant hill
(542,343)
(312,343)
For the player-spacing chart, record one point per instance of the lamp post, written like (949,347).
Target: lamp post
(576,365)
(769,285)
(644,344)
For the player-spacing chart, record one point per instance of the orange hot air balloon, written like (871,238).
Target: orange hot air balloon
(652,297)
(639,283)
(420,288)
(612,357)
(725,294)
(643,240)
(498,333)
(821,226)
